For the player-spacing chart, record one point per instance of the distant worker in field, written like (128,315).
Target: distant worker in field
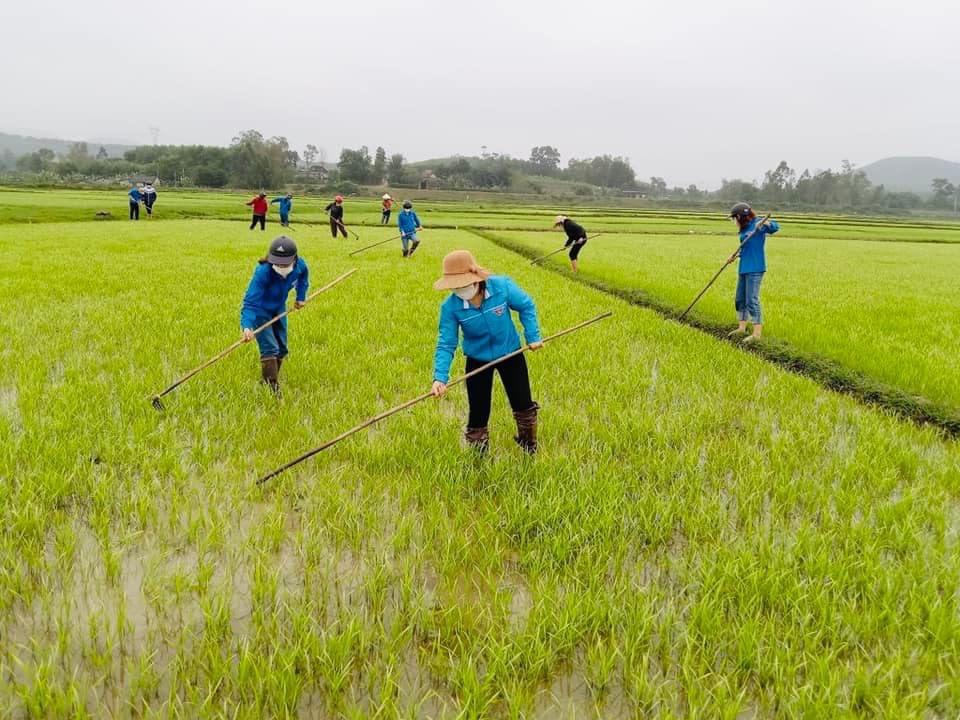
(409,224)
(576,238)
(753,264)
(149,198)
(136,197)
(335,211)
(286,202)
(276,274)
(387,207)
(479,306)
(259,204)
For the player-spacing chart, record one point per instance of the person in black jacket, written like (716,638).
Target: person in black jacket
(335,211)
(576,238)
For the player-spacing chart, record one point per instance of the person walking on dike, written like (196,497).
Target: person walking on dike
(259,204)
(576,238)
(280,270)
(286,202)
(409,224)
(136,197)
(479,306)
(387,207)
(753,265)
(149,198)
(335,211)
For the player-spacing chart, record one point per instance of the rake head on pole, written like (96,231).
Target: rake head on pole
(157,403)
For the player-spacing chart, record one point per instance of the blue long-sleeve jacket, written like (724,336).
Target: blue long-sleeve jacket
(267,293)
(408,222)
(752,257)
(135,195)
(285,204)
(488,331)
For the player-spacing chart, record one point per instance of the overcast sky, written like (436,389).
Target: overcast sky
(691,90)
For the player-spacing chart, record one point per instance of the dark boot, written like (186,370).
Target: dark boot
(527,429)
(269,367)
(478,438)
(279,365)
(406,253)
(416,244)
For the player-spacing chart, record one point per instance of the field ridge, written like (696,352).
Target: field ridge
(828,373)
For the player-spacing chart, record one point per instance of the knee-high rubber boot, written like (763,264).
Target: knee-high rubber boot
(527,429)
(478,438)
(269,367)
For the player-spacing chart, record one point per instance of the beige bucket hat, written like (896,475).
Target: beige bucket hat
(459,270)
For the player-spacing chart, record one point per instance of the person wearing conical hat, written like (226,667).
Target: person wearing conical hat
(576,238)
(387,207)
(277,273)
(479,308)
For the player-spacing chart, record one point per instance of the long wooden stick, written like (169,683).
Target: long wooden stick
(724,266)
(367,247)
(559,250)
(421,398)
(219,356)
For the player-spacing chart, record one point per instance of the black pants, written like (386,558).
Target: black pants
(336,225)
(515,379)
(577,247)
(134,211)
(148,203)
(385,217)
(262,219)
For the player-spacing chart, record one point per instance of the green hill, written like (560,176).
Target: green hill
(24,145)
(911,173)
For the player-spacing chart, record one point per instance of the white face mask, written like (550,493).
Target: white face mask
(283,270)
(466,293)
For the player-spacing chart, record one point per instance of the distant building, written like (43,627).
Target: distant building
(429,181)
(316,172)
(136,179)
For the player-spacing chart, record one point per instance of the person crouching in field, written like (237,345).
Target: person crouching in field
(286,202)
(479,306)
(149,198)
(335,211)
(387,208)
(136,197)
(576,238)
(259,204)
(409,224)
(753,264)
(276,274)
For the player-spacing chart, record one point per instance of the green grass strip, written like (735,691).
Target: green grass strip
(825,372)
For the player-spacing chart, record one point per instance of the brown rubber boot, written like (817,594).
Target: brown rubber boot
(478,438)
(527,429)
(269,367)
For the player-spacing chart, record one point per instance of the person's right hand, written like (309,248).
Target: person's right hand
(247,335)
(438,388)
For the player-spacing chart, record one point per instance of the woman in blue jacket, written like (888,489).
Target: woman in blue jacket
(286,202)
(479,306)
(753,264)
(276,274)
(409,224)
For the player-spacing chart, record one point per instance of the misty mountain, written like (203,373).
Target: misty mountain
(911,173)
(24,145)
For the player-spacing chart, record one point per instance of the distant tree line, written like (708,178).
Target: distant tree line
(253,161)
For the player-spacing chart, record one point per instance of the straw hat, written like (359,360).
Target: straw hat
(386,196)
(558,220)
(459,270)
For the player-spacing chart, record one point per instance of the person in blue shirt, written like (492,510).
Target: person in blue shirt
(409,223)
(136,197)
(286,202)
(479,307)
(276,274)
(753,264)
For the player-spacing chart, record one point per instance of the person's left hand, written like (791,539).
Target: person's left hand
(536,345)
(299,304)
